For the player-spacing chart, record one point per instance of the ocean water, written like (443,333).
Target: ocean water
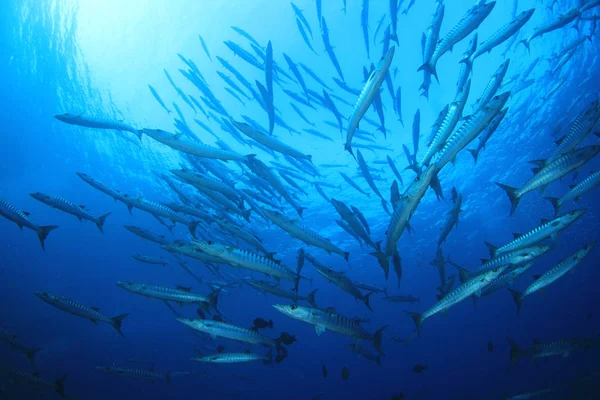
(94,58)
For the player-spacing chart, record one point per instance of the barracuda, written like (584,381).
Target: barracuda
(304,233)
(97,123)
(35,381)
(548,229)
(470,129)
(467,24)
(367,95)
(452,220)
(189,250)
(492,86)
(545,173)
(251,261)
(276,290)
(576,191)
(406,207)
(507,278)
(269,141)
(204,181)
(221,329)
(552,275)
(146,234)
(464,291)
(466,66)
(559,347)
(161,210)
(177,295)
(80,310)
(558,23)
(21,218)
(485,136)
(236,358)
(104,188)
(364,168)
(447,125)
(324,320)
(64,205)
(504,33)
(151,260)
(344,283)
(137,373)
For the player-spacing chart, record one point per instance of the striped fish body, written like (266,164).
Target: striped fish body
(464,291)
(208,182)
(104,188)
(161,210)
(163,293)
(367,95)
(504,33)
(558,270)
(17,216)
(406,207)
(470,129)
(341,281)
(228,331)
(244,259)
(451,222)
(547,230)
(230,358)
(189,250)
(146,234)
(516,257)
(269,141)
(581,127)
(558,168)
(580,189)
(509,275)
(137,373)
(276,290)
(558,23)
(64,205)
(93,122)
(34,380)
(466,66)
(303,233)
(150,260)
(560,347)
(492,86)
(74,308)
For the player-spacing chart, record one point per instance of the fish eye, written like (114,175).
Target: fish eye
(293,307)
(209,242)
(496,269)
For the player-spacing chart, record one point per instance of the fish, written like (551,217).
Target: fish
(312,74)
(236,358)
(560,347)
(547,229)
(151,260)
(260,323)
(277,290)
(545,173)
(466,66)
(439,263)
(345,373)
(464,291)
(300,16)
(80,310)
(324,371)
(136,373)
(203,44)
(324,320)
(179,295)
(417,369)
(406,207)
(269,86)
(304,233)
(398,105)
(364,22)
(97,123)
(344,283)
(269,141)
(561,21)
(370,288)
(364,352)
(34,380)
(401,299)
(492,86)
(394,170)
(551,275)
(506,279)
(576,191)
(12,342)
(485,136)
(503,34)
(467,24)
(65,205)
(367,175)
(21,219)
(452,220)
(148,235)
(329,49)
(159,100)
(353,184)
(430,39)
(394,21)
(416,128)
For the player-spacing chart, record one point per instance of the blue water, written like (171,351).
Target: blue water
(97,58)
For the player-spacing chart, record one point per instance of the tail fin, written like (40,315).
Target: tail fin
(555,203)
(300,210)
(115,322)
(429,68)
(269,359)
(246,214)
(512,195)
(100,221)
(418,320)
(367,300)
(60,386)
(346,255)
(474,153)
(383,261)
(43,232)
(30,354)
(348,148)
(192,226)
(518,298)
(311,298)
(377,340)
(214,299)
(526,43)
(515,352)
(437,187)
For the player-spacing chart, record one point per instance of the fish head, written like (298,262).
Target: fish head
(492,274)
(83,175)
(196,323)
(211,248)
(294,311)
(571,216)
(484,8)
(127,285)
(47,297)
(66,117)
(583,252)
(525,15)
(498,101)
(530,253)
(40,196)
(587,152)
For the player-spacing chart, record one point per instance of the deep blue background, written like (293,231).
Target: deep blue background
(45,71)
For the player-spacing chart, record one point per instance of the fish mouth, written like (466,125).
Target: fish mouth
(281,308)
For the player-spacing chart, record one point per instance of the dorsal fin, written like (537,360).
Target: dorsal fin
(559,140)
(36,374)
(536,342)
(26,213)
(517,235)
(95,308)
(545,221)
(539,163)
(82,206)
(536,276)
(184,288)
(484,260)
(330,309)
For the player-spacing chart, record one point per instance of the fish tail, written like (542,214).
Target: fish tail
(116,322)
(60,386)
(348,148)
(214,299)
(30,354)
(269,359)
(138,133)
(430,68)
(346,255)
(414,167)
(311,298)
(512,195)
(100,221)
(192,226)
(526,44)
(418,320)
(437,187)
(366,300)
(555,204)
(300,210)
(246,214)
(43,232)
(474,153)
(518,298)
(377,340)
(515,352)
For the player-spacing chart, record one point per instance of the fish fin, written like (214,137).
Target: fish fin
(418,320)
(93,321)
(100,221)
(319,329)
(512,195)
(518,298)
(515,352)
(95,308)
(26,213)
(517,235)
(115,322)
(43,232)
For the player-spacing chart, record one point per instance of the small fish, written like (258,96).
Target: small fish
(490,347)
(324,370)
(345,372)
(417,369)
(287,339)
(260,323)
